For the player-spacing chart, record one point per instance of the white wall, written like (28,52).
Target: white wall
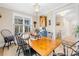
(51,28)
(73,15)
(70,21)
(6,19)
(6,22)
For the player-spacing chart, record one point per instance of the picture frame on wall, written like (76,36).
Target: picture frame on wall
(34,24)
(43,21)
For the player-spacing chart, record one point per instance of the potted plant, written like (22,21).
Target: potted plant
(77,31)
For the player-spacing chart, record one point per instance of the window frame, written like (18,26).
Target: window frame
(24,18)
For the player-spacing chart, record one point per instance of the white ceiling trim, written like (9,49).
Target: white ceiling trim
(27,8)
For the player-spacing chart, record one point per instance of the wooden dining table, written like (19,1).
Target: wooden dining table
(44,46)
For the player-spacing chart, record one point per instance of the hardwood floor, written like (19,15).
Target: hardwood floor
(8,52)
(11,51)
(1,51)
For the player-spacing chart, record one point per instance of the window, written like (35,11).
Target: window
(18,20)
(22,24)
(27,24)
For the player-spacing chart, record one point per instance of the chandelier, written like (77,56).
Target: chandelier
(37,7)
(36,11)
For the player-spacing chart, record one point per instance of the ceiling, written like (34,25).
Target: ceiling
(28,8)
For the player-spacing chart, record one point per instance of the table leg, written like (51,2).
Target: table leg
(53,52)
(64,50)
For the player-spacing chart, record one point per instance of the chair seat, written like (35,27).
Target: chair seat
(9,38)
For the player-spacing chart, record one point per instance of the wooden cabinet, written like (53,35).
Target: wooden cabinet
(43,21)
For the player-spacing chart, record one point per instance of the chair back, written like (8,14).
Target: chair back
(25,36)
(6,33)
(72,50)
(50,35)
(20,42)
(23,45)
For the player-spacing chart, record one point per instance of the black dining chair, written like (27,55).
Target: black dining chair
(8,37)
(22,45)
(74,49)
(69,50)
(59,54)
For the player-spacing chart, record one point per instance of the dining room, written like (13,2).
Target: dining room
(39,29)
